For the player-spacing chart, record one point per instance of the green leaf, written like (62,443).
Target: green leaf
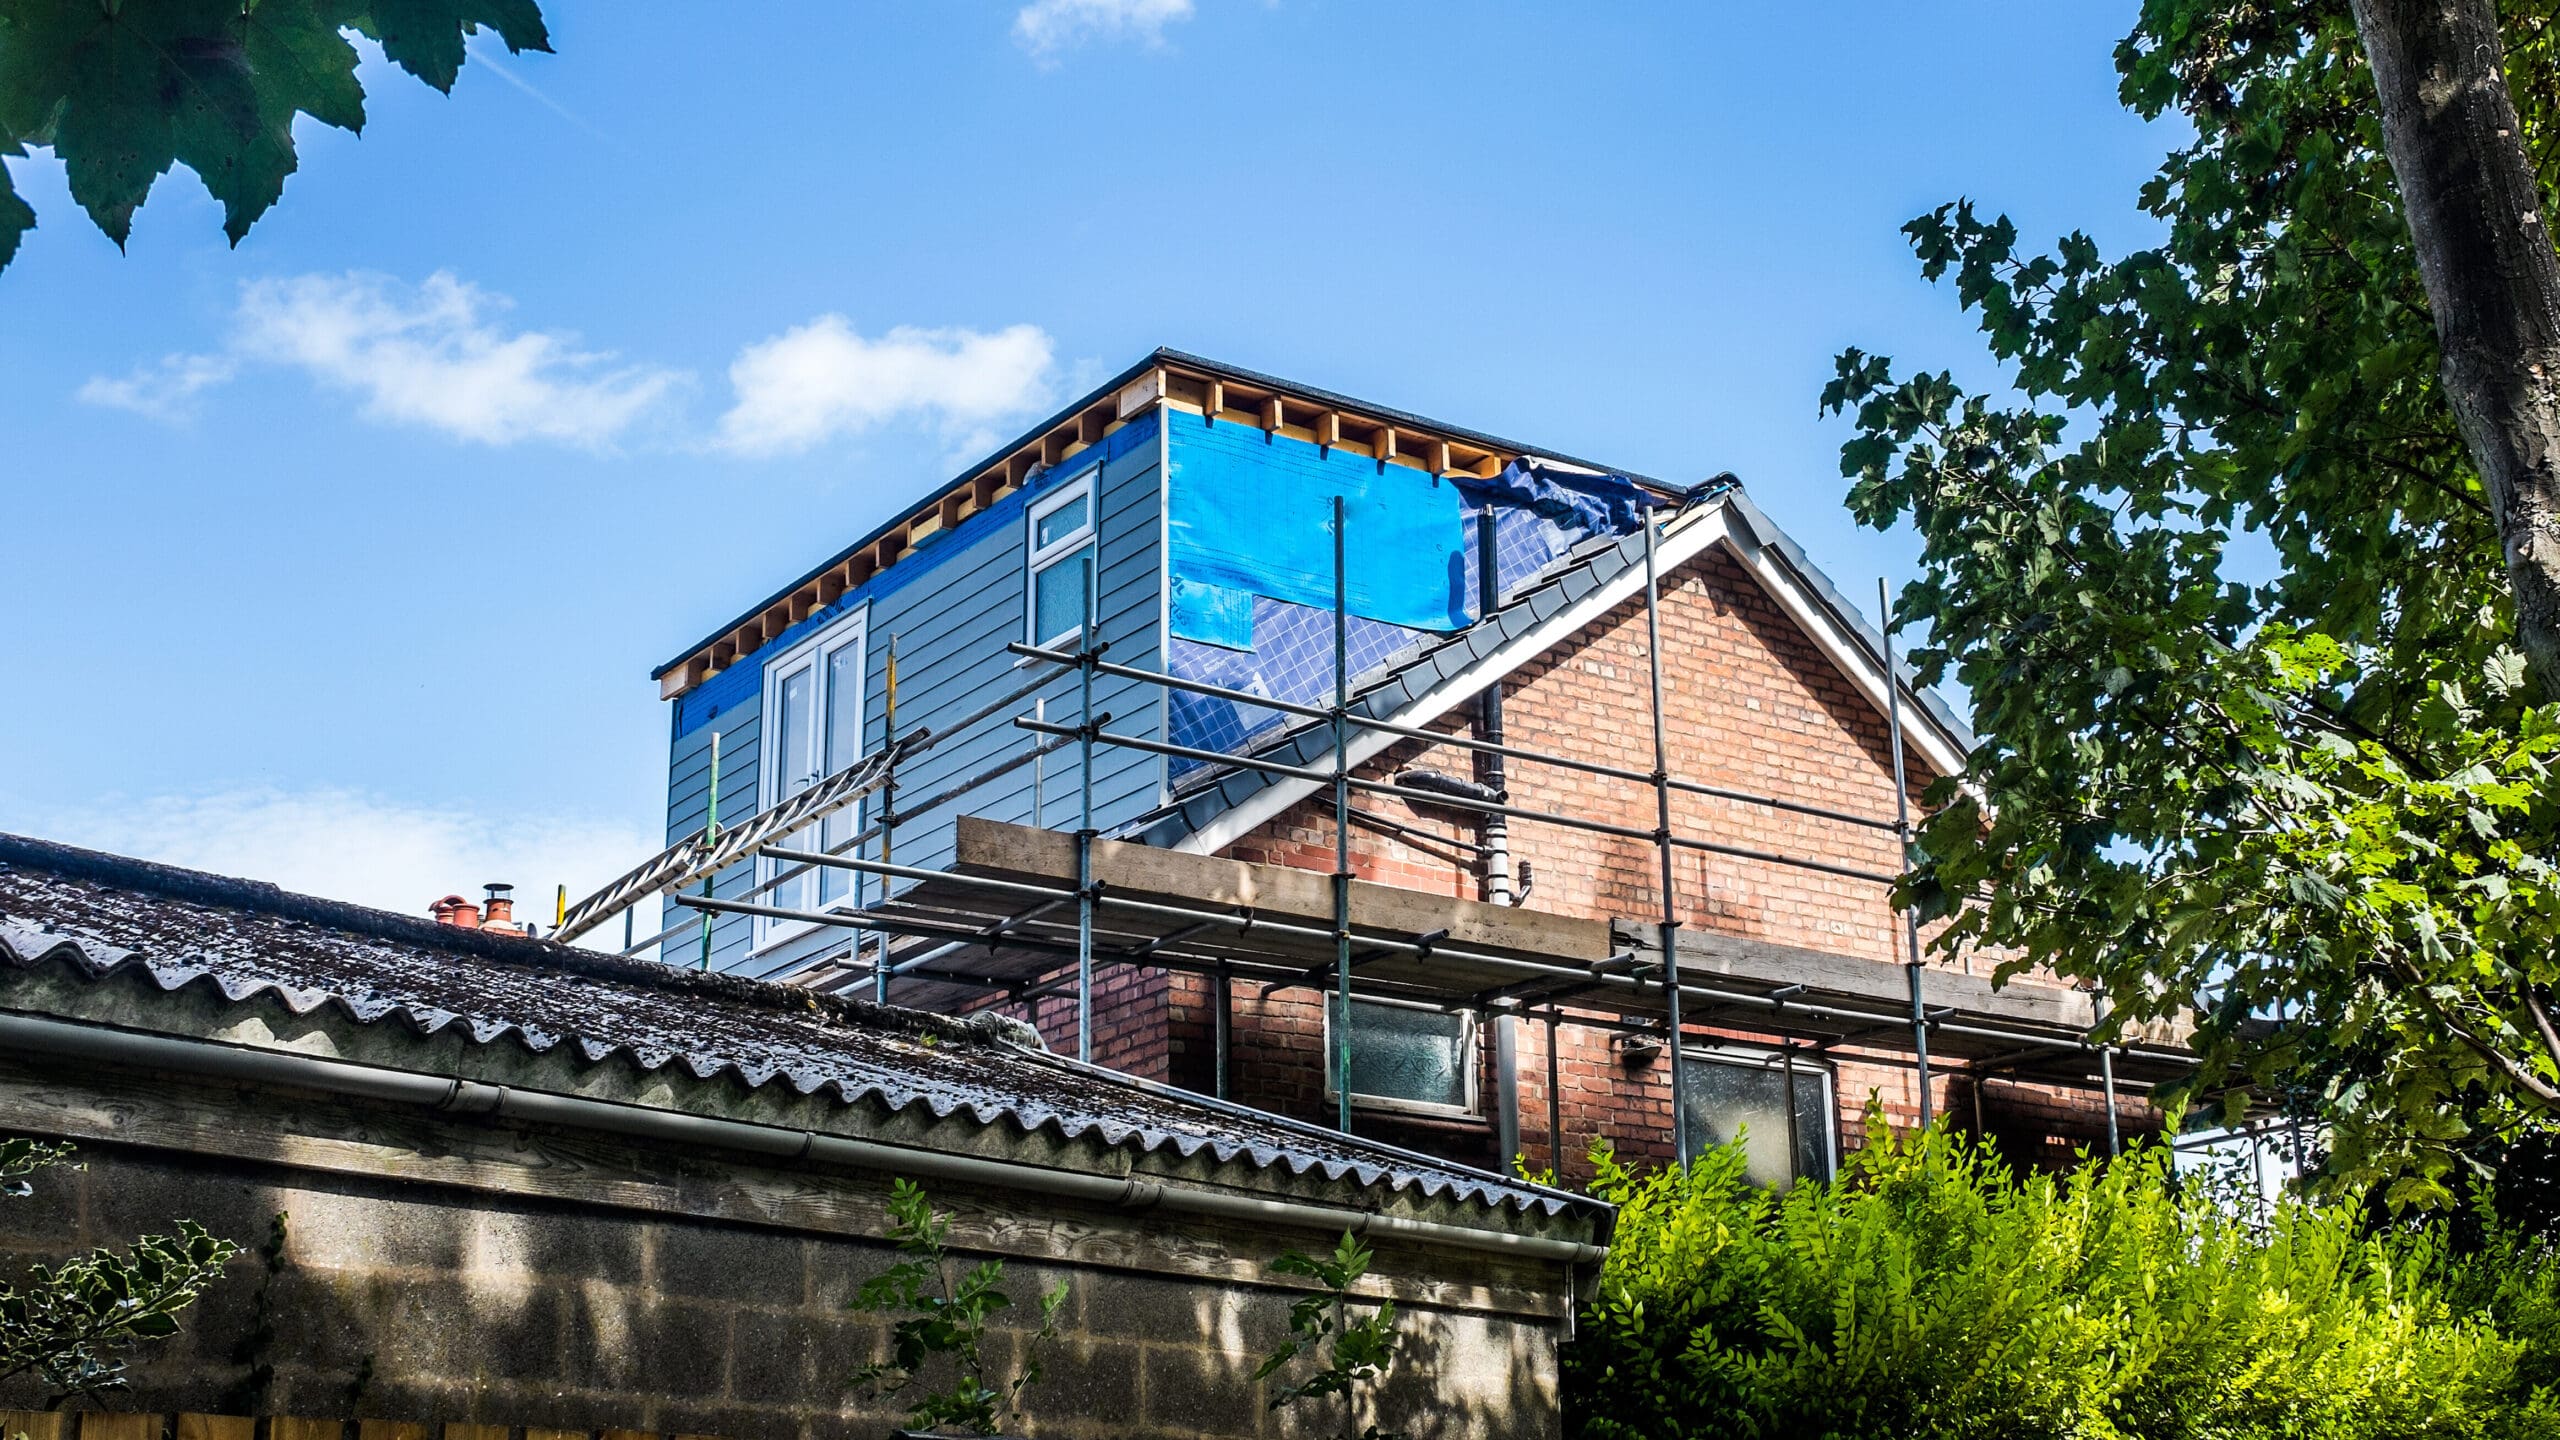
(428,38)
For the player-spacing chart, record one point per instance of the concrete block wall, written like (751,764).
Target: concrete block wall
(422,1303)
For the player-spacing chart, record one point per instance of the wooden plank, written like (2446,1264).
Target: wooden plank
(995,848)
(390,1430)
(532,1433)
(299,1427)
(36,1424)
(1142,392)
(455,1430)
(112,1425)
(1706,953)
(217,1427)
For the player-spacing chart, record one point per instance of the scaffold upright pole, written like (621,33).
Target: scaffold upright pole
(2107,1072)
(1084,810)
(1555,1100)
(888,811)
(1902,832)
(1663,851)
(1341,825)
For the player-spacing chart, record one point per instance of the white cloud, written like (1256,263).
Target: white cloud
(1045,27)
(366,848)
(824,379)
(434,356)
(166,391)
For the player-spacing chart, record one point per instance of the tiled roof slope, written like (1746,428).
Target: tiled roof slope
(102,917)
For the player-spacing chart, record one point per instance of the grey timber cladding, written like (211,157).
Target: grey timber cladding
(103,920)
(951,612)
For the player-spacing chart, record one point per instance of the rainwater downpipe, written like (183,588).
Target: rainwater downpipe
(448,1095)
(1496,837)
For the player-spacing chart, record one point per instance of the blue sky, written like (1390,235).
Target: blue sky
(342,558)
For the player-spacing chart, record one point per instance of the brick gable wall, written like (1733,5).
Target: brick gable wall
(1752,705)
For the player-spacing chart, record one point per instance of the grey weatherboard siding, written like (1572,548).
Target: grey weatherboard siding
(953,606)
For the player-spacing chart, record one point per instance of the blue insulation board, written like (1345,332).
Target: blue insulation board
(1251,514)
(1284,649)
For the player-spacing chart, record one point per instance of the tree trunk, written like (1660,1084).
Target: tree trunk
(2491,272)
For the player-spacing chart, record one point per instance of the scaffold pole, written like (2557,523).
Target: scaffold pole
(1341,825)
(1902,832)
(1084,809)
(1662,845)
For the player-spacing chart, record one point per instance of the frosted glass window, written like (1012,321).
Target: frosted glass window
(1061,561)
(1065,522)
(1406,1056)
(1059,603)
(1746,1095)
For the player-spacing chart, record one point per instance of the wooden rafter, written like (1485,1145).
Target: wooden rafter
(1308,417)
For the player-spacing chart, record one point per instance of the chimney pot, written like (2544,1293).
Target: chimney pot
(501,908)
(454,910)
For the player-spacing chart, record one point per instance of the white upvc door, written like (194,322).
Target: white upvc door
(812,728)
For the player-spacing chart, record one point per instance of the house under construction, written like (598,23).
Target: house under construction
(1358,767)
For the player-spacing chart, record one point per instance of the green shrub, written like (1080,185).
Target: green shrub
(1930,1291)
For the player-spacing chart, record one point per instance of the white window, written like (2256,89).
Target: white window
(1733,1091)
(1407,1057)
(812,729)
(1062,561)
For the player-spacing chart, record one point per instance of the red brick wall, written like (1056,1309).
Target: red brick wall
(1751,704)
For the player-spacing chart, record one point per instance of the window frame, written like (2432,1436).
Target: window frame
(1038,558)
(1471,1036)
(812,654)
(1769,1058)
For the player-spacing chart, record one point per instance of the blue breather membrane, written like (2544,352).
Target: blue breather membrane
(1251,512)
(1248,639)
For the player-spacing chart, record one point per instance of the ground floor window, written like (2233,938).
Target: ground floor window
(1744,1092)
(1407,1057)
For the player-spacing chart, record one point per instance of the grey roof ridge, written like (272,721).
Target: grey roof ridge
(26,949)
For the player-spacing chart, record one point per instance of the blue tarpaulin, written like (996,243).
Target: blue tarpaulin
(1266,645)
(1252,514)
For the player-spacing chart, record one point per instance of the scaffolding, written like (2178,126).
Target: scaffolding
(1038,924)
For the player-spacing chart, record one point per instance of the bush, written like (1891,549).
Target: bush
(1930,1291)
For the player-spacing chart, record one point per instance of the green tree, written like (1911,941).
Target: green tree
(1932,1291)
(71,1325)
(2323,795)
(123,89)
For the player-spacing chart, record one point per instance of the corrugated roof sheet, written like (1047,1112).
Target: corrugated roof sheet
(101,916)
